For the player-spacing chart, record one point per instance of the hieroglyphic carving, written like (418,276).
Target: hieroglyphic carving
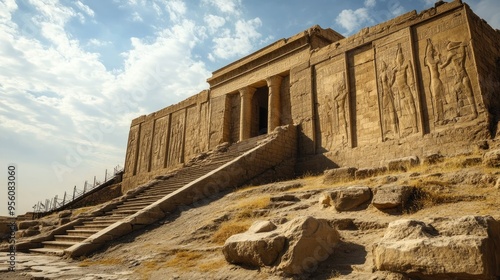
(390,122)
(432,60)
(175,149)
(145,147)
(204,120)
(130,163)
(405,85)
(462,88)
(192,140)
(159,143)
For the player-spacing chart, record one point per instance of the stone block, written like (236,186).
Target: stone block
(310,241)
(285,197)
(369,172)
(254,249)
(262,226)
(403,164)
(27,224)
(433,159)
(390,197)
(463,248)
(345,199)
(64,214)
(492,158)
(336,175)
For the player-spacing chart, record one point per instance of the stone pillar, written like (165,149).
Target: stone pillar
(274,103)
(246,94)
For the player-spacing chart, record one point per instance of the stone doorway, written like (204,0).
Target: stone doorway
(260,112)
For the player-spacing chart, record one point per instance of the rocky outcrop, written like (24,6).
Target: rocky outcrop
(403,164)
(391,197)
(463,248)
(295,248)
(345,199)
(336,175)
(492,158)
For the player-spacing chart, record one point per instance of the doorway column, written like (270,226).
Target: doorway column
(246,95)
(274,103)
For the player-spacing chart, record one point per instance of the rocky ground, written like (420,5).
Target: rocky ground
(188,244)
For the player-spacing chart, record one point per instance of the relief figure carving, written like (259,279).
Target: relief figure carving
(462,88)
(340,104)
(132,143)
(389,117)
(408,115)
(432,61)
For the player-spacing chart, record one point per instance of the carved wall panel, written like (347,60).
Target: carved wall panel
(146,136)
(131,156)
(204,124)
(398,96)
(192,140)
(235,117)
(332,104)
(176,143)
(445,63)
(220,108)
(363,97)
(160,141)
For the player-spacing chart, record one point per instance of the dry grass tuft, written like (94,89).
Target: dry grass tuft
(184,260)
(146,268)
(212,265)
(105,262)
(229,228)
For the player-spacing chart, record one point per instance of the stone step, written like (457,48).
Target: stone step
(146,198)
(81,232)
(101,222)
(48,251)
(61,245)
(69,238)
(91,227)
(125,211)
(136,203)
(130,207)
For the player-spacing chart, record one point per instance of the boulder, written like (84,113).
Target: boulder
(254,247)
(64,214)
(336,175)
(492,158)
(463,248)
(27,224)
(349,198)
(390,197)
(369,172)
(310,241)
(403,164)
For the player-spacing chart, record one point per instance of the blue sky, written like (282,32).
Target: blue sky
(75,73)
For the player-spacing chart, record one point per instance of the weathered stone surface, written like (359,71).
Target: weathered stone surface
(345,199)
(310,241)
(27,224)
(325,200)
(389,197)
(463,248)
(64,214)
(255,249)
(492,158)
(369,172)
(403,164)
(285,197)
(262,226)
(342,174)
(433,159)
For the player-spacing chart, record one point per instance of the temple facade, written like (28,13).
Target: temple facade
(418,84)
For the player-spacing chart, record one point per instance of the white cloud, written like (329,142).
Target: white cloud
(352,20)
(98,43)
(429,3)
(214,22)
(226,6)
(136,17)
(370,3)
(84,8)
(240,42)
(176,9)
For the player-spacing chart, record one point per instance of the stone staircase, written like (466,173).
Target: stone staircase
(130,206)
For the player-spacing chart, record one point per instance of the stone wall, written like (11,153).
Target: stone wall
(418,84)
(405,87)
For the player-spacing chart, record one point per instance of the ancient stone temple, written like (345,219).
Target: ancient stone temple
(420,83)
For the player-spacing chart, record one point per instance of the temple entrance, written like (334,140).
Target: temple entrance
(260,111)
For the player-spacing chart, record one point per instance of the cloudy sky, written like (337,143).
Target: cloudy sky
(74,73)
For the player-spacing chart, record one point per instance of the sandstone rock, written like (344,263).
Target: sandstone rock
(348,198)
(492,158)
(64,214)
(310,241)
(403,164)
(339,175)
(389,197)
(27,224)
(463,248)
(497,185)
(254,249)
(325,200)
(285,197)
(369,172)
(433,159)
(471,161)
(262,226)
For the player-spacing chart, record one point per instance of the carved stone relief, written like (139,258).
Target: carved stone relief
(192,140)
(159,143)
(399,110)
(145,147)
(133,137)
(333,107)
(444,54)
(175,149)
